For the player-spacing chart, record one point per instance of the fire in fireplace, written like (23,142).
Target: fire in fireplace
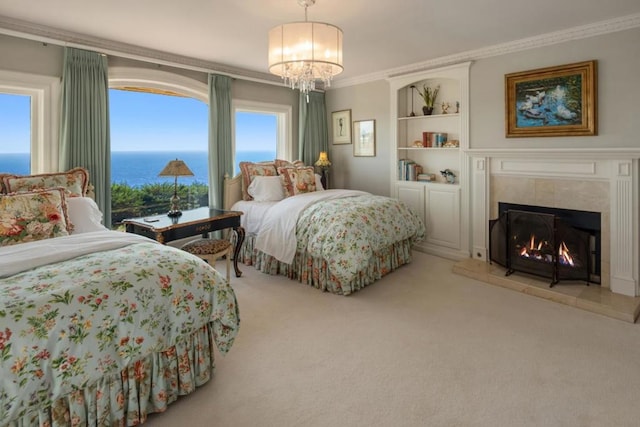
(559,244)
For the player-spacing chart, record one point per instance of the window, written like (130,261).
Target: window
(261,132)
(28,119)
(15,138)
(149,128)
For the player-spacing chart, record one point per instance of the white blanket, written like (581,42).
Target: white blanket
(277,236)
(25,256)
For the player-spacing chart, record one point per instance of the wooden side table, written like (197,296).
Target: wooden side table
(191,223)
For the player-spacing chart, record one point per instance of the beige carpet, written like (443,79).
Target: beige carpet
(422,347)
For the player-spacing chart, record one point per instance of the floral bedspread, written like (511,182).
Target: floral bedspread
(347,232)
(65,325)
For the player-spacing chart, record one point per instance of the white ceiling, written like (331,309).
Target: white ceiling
(379,35)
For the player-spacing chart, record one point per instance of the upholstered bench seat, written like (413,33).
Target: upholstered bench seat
(210,250)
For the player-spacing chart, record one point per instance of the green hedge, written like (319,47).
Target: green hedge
(153,199)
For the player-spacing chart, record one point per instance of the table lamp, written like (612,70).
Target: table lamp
(175,168)
(323,163)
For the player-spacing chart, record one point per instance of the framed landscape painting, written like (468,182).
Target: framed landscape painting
(341,125)
(553,101)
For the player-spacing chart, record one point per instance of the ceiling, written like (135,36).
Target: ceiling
(379,35)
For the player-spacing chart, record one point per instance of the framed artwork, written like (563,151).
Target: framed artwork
(341,125)
(553,101)
(364,134)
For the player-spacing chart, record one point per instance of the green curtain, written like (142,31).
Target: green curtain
(84,121)
(220,142)
(313,133)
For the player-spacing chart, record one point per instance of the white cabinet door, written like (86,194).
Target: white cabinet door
(412,196)
(443,216)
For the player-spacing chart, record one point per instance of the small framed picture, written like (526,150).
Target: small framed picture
(364,133)
(341,125)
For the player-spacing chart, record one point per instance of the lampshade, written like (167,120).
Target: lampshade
(176,168)
(303,52)
(323,160)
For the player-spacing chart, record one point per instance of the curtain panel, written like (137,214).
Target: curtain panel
(313,132)
(220,141)
(84,121)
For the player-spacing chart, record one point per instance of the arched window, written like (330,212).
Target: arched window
(261,131)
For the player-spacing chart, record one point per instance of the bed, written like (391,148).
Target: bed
(335,240)
(99,327)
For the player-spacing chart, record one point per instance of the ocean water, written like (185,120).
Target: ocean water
(136,168)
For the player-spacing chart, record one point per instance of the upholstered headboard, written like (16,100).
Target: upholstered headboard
(232,191)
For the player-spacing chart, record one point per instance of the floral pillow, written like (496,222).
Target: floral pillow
(287,164)
(74,181)
(30,216)
(2,189)
(298,180)
(250,170)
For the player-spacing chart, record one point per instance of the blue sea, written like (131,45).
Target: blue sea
(136,168)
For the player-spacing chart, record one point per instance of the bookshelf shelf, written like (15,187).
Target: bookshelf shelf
(432,116)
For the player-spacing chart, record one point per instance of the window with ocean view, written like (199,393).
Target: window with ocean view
(256,136)
(147,131)
(15,138)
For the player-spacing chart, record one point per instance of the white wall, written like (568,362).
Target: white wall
(30,56)
(366,101)
(618,56)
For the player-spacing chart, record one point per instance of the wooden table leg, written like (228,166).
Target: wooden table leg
(236,251)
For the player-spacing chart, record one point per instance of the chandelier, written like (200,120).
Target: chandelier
(303,52)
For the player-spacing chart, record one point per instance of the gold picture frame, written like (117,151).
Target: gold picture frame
(364,143)
(552,101)
(341,127)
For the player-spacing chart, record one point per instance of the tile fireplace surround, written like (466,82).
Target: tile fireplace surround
(605,181)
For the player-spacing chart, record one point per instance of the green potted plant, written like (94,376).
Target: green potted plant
(429,96)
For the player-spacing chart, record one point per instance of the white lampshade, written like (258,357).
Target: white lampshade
(303,52)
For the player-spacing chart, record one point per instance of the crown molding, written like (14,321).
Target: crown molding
(575,33)
(28,30)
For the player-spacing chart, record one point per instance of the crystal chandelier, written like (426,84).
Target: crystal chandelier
(303,52)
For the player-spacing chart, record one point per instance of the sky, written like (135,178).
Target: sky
(15,116)
(145,122)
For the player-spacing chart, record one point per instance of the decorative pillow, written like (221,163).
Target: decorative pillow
(250,170)
(29,216)
(85,215)
(74,181)
(266,189)
(287,164)
(3,190)
(298,180)
(279,163)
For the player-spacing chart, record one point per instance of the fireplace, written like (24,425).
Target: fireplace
(559,244)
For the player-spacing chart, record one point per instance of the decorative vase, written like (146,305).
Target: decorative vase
(427,111)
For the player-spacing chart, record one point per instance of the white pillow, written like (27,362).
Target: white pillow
(319,183)
(266,189)
(84,214)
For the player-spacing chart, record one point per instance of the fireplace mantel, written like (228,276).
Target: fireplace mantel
(538,172)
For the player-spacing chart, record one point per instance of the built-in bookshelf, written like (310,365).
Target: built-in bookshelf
(429,171)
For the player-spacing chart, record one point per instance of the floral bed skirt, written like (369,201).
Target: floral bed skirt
(146,386)
(314,272)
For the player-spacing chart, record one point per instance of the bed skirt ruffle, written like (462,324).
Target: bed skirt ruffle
(313,271)
(146,386)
